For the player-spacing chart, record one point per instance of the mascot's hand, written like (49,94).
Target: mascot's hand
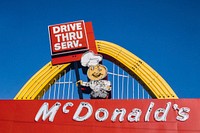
(108,88)
(80,82)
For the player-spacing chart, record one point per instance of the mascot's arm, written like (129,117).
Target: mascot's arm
(87,84)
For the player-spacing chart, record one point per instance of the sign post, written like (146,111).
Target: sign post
(77,79)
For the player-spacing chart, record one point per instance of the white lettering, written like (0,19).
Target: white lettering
(79,35)
(85,110)
(72,26)
(69,36)
(182,113)
(105,114)
(65,37)
(45,113)
(67,28)
(117,112)
(64,45)
(56,29)
(149,111)
(76,43)
(65,110)
(78,26)
(72,36)
(161,113)
(134,115)
(70,44)
(63,28)
(57,46)
(67,45)
(82,105)
(58,37)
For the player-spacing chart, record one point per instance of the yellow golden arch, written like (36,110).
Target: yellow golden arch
(156,86)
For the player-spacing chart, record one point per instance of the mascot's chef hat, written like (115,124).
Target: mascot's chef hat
(90,59)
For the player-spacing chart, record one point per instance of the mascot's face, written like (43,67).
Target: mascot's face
(97,72)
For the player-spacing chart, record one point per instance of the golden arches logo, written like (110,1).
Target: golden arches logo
(156,86)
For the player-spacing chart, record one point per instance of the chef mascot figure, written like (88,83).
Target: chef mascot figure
(97,86)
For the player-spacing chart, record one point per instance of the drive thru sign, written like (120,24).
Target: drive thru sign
(70,40)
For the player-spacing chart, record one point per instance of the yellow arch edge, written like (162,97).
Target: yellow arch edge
(157,85)
(40,82)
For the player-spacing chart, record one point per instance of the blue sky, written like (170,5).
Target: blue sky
(164,33)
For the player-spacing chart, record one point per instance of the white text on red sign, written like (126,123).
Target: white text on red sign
(159,115)
(68,36)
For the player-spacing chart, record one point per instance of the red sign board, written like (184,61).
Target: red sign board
(69,40)
(116,116)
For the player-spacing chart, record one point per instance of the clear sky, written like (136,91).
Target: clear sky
(163,33)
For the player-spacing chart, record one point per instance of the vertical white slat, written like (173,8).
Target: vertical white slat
(118,81)
(72,81)
(127,88)
(133,81)
(59,86)
(138,91)
(113,80)
(143,93)
(63,93)
(54,95)
(70,74)
(122,93)
(43,97)
(73,90)
(49,91)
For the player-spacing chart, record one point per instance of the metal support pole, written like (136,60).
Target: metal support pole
(80,93)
